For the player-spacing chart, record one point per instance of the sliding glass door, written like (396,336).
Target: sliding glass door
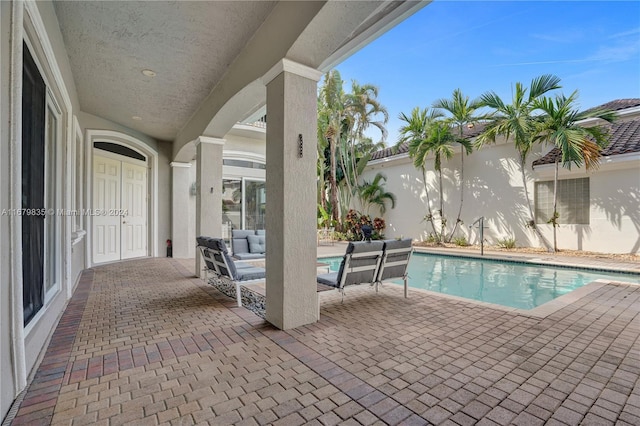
(243,203)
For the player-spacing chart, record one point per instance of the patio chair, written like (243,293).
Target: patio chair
(217,259)
(395,261)
(359,266)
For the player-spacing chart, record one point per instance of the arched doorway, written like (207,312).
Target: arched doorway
(123,198)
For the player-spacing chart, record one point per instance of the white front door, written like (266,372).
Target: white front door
(106,199)
(119,210)
(134,207)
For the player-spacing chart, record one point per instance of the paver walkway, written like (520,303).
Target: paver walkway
(143,342)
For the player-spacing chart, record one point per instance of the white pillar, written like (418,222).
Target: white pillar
(180,187)
(292,298)
(209,190)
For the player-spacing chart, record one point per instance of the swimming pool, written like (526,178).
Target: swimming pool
(512,284)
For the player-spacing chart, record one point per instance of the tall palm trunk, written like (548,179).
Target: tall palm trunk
(426,191)
(443,222)
(532,216)
(554,220)
(455,226)
(332,181)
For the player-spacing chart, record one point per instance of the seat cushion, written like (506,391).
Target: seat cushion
(253,273)
(257,244)
(221,247)
(375,247)
(328,279)
(239,243)
(395,271)
(248,256)
(242,233)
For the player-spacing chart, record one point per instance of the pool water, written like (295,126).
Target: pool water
(512,284)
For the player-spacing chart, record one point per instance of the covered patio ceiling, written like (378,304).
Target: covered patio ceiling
(208,57)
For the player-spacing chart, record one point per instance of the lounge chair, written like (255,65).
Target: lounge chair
(217,260)
(395,260)
(359,265)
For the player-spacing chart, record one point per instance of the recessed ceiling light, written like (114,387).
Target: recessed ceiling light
(137,118)
(149,73)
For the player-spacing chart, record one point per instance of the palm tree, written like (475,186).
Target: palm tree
(331,109)
(577,144)
(440,140)
(363,110)
(517,121)
(414,135)
(342,120)
(373,194)
(462,112)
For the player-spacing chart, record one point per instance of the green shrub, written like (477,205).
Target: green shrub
(461,241)
(432,239)
(507,243)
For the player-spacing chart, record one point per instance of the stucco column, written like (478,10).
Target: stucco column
(292,298)
(180,187)
(209,190)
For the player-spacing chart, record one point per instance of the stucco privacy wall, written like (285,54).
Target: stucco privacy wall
(614,214)
(494,190)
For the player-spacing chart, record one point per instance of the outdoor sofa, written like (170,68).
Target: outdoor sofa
(371,262)
(247,244)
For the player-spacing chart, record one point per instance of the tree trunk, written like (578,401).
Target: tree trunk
(442,219)
(426,191)
(531,214)
(555,202)
(332,181)
(455,226)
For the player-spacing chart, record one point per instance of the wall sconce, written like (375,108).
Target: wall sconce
(193,190)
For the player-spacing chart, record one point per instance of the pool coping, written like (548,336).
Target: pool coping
(565,262)
(539,312)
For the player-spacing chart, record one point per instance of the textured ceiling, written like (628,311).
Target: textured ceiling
(188,44)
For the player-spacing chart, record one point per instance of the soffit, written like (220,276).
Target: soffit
(190,46)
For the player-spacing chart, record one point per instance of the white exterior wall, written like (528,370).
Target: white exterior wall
(614,214)
(494,190)
(20,348)
(8,389)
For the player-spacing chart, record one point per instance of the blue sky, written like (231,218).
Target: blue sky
(593,46)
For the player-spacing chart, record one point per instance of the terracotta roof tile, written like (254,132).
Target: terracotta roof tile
(618,104)
(624,136)
(403,148)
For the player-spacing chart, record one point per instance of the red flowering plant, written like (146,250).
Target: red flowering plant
(354,221)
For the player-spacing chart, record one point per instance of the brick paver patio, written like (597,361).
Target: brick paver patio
(143,342)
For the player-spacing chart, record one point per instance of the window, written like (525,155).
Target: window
(572,205)
(243,203)
(255,204)
(77,174)
(52,225)
(244,163)
(34,110)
